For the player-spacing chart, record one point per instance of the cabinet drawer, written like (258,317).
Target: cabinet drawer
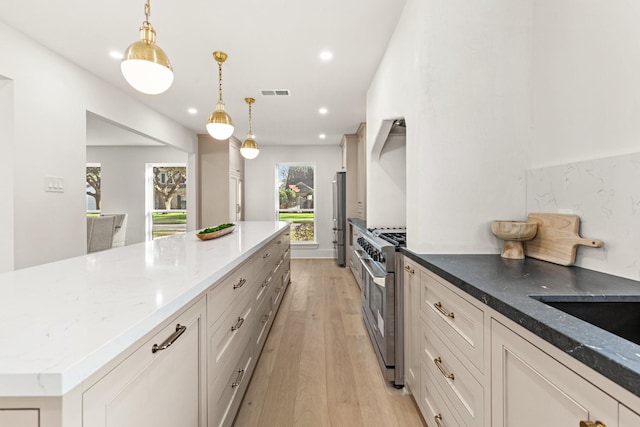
(464,393)
(264,319)
(459,320)
(19,417)
(226,393)
(147,388)
(232,335)
(231,288)
(434,408)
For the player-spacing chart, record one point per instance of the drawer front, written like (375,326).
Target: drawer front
(226,393)
(464,393)
(223,297)
(231,335)
(435,410)
(459,320)
(264,319)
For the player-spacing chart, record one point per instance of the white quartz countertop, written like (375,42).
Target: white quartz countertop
(63,321)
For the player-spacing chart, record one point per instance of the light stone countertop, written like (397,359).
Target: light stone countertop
(63,321)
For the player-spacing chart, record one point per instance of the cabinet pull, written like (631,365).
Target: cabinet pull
(265,256)
(438,362)
(592,424)
(238,324)
(438,418)
(238,380)
(240,284)
(444,312)
(409,269)
(172,338)
(265,318)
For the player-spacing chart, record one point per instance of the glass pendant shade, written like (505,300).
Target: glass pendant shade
(219,124)
(145,66)
(249,149)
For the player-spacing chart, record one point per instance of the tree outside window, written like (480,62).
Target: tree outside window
(94,193)
(296,199)
(169,213)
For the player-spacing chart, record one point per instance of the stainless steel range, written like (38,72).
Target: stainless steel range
(382,305)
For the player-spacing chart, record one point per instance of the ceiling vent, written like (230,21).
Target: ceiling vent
(276,92)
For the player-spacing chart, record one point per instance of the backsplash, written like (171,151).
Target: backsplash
(605,194)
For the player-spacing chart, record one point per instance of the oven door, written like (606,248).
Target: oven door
(378,309)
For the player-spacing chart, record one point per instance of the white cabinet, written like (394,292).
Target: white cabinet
(530,388)
(220,181)
(362,172)
(19,418)
(628,418)
(159,384)
(411,288)
(452,346)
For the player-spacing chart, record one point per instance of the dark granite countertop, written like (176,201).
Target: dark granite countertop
(507,286)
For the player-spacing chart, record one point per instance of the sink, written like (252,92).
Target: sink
(618,315)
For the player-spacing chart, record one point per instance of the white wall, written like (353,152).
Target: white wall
(52,97)
(6,166)
(260,184)
(586,84)
(460,74)
(123,181)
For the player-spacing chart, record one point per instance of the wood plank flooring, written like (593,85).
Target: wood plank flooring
(318,366)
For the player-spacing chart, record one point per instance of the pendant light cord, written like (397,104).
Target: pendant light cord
(147,12)
(220,81)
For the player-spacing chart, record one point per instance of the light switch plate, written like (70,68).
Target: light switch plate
(54,184)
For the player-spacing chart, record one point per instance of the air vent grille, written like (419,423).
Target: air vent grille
(276,92)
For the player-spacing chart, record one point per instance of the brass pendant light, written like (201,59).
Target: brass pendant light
(145,66)
(249,148)
(219,124)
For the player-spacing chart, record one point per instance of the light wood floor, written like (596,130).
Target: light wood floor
(318,367)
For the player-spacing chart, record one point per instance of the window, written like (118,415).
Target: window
(94,194)
(296,203)
(166,200)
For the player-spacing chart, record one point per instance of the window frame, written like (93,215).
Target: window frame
(150,195)
(299,243)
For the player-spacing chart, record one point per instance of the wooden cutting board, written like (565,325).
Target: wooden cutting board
(557,238)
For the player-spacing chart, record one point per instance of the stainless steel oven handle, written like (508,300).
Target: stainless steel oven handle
(378,280)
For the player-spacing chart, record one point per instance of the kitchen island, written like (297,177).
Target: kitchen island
(68,324)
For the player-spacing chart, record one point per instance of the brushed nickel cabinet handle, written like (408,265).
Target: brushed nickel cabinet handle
(265,318)
(592,424)
(444,312)
(240,284)
(238,324)
(438,362)
(409,269)
(437,419)
(238,380)
(265,256)
(172,338)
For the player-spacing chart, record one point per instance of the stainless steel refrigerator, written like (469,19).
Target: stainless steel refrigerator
(340,218)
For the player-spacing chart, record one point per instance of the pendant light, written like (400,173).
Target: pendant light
(145,66)
(249,148)
(219,124)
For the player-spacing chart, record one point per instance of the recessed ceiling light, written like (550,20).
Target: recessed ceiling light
(192,111)
(323,110)
(322,136)
(326,55)
(116,55)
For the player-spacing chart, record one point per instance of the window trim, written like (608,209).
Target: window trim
(307,244)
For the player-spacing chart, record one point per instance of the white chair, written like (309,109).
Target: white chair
(99,233)
(119,229)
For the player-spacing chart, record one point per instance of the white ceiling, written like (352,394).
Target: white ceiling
(272,44)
